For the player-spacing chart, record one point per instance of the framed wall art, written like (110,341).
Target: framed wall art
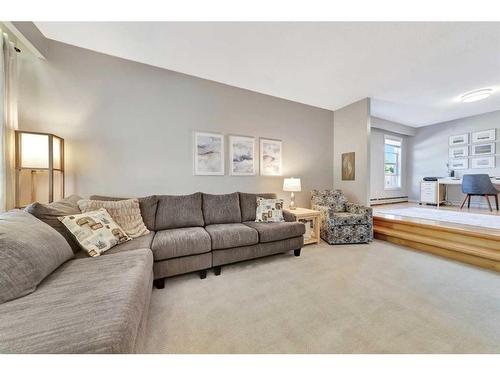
(208,154)
(241,155)
(483,149)
(459,140)
(270,157)
(484,136)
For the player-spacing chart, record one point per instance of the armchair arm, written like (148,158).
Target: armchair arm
(355,208)
(326,212)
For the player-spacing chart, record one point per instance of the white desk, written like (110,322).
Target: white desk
(455,181)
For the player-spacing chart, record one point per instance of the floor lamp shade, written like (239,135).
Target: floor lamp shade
(39,168)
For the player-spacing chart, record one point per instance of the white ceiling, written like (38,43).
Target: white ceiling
(414,72)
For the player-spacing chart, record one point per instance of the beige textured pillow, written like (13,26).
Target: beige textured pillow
(126,213)
(95,231)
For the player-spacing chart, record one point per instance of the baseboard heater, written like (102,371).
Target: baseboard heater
(375,201)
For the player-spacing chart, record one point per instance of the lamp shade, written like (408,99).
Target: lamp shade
(39,168)
(291,184)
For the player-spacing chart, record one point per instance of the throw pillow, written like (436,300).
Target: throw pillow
(269,210)
(126,213)
(50,214)
(30,250)
(95,231)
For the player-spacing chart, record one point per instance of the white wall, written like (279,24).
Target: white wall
(128,126)
(377,181)
(351,133)
(428,151)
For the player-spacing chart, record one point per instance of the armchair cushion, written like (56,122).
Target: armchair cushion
(347,218)
(355,208)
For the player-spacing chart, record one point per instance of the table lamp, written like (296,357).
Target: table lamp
(292,184)
(39,168)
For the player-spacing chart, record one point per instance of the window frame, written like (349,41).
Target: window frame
(398,164)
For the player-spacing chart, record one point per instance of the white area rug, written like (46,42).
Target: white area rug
(478,220)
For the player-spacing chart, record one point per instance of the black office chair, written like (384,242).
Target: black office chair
(478,184)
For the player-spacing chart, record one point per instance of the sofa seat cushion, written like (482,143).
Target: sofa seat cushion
(174,243)
(346,218)
(92,305)
(225,236)
(269,232)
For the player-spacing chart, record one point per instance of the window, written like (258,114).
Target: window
(392,163)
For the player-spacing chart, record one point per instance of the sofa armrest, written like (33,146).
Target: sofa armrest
(355,208)
(288,216)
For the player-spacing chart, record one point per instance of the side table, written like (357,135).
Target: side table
(306,216)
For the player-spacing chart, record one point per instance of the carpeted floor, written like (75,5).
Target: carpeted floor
(377,298)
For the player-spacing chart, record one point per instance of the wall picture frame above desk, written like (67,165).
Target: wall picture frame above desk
(459,164)
(483,149)
(458,152)
(486,162)
(484,136)
(458,140)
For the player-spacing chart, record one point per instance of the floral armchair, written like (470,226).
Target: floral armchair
(342,222)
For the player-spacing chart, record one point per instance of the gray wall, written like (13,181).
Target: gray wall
(128,126)
(351,133)
(428,151)
(377,180)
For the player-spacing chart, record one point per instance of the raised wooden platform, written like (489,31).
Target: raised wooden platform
(474,245)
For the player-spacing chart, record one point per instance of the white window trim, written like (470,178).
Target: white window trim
(397,139)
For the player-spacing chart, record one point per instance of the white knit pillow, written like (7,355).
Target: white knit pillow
(126,213)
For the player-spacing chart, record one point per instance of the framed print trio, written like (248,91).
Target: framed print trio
(208,155)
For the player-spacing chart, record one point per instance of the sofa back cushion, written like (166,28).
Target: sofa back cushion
(30,250)
(221,208)
(49,214)
(148,206)
(179,211)
(335,199)
(248,204)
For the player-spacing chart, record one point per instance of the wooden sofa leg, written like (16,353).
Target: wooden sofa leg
(203,274)
(297,252)
(217,270)
(159,283)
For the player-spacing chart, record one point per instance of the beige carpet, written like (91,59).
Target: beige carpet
(377,298)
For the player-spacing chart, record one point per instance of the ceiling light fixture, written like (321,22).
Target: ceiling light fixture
(476,95)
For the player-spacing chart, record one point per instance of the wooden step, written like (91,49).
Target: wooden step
(470,245)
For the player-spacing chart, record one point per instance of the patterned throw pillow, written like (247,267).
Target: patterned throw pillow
(269,210)
(95,231)
(126,213)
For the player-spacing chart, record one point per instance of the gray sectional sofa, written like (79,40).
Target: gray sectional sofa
(201,231)
(100,305)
